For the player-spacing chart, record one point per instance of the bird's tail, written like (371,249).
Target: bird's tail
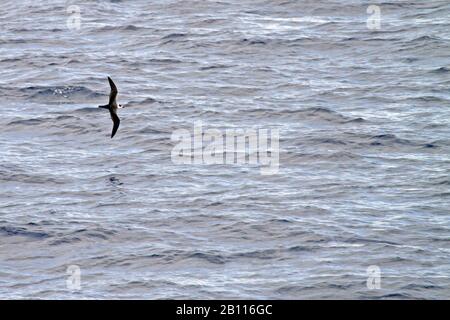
(106,106)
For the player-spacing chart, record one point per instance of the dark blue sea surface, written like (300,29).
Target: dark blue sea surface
(364,163)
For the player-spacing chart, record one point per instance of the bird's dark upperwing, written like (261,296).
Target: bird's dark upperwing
(116,122)
(113,94)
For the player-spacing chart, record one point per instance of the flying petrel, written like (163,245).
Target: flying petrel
(112,107)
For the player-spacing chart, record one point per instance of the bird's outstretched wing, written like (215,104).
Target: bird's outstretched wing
(116,122)
(113,94)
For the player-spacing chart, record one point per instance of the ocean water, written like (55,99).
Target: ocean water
(363,187)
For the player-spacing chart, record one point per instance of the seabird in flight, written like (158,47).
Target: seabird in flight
(112,107)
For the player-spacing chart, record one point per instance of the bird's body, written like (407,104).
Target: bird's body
(112,106)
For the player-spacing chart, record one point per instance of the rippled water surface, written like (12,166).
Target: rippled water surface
(364,149)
